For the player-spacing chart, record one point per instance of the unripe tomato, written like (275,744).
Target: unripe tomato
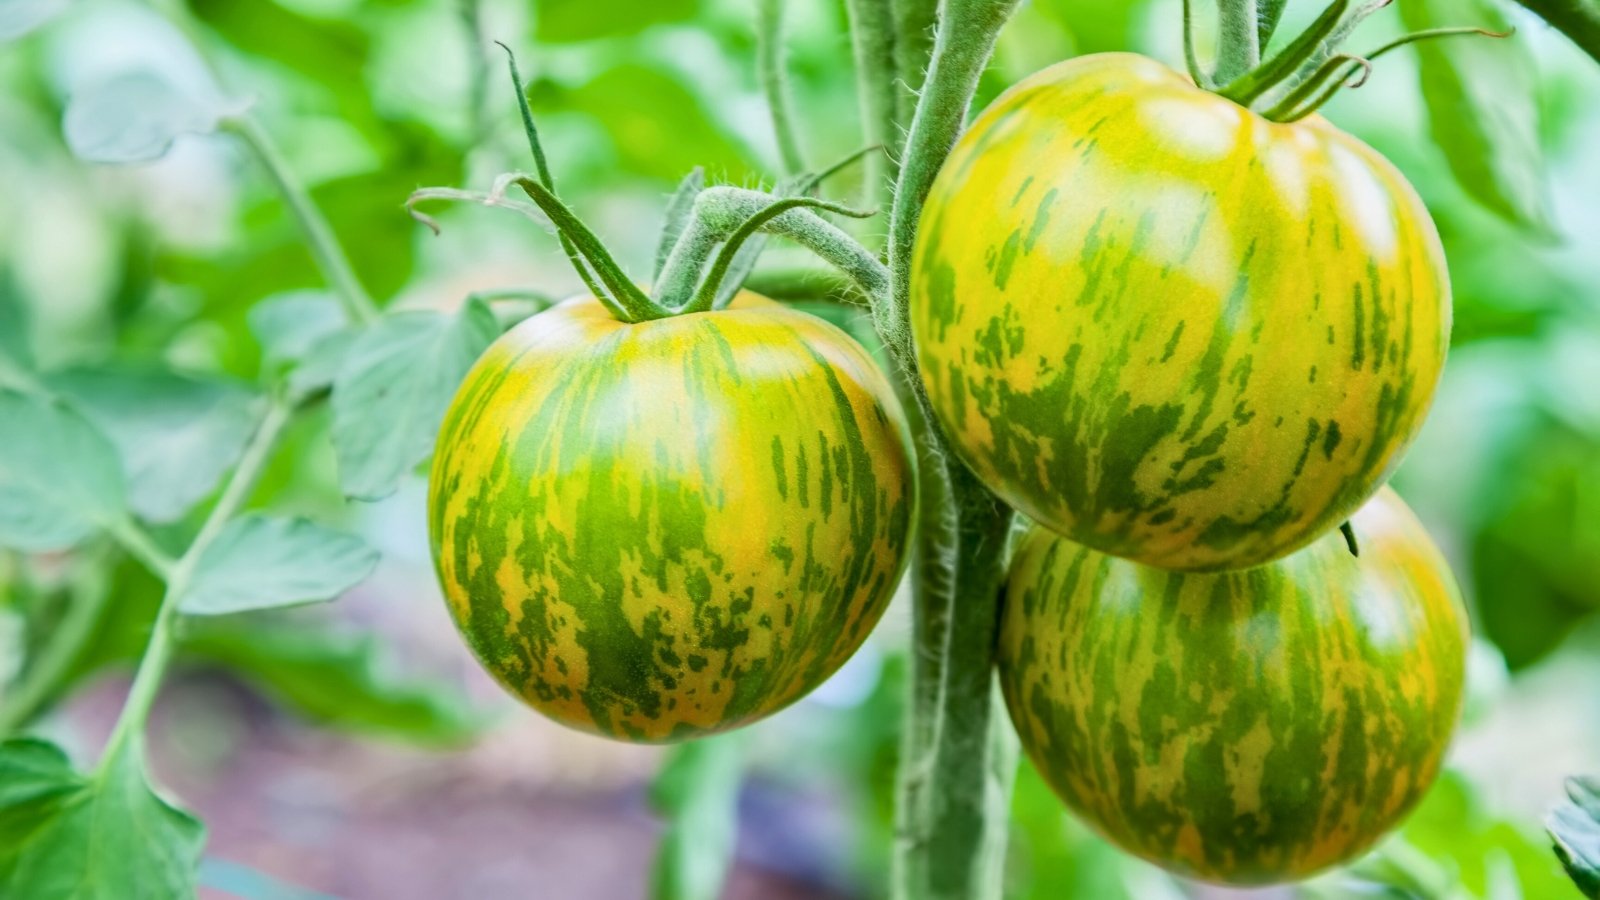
(1171,329)
(1241,727)
(661,530)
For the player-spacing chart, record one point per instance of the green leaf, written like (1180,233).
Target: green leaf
(60,478)
(697,793)
(316,373)
(1479,92)
(393,389)
(16,325)
(262,562)
(18,17)
(338,680)
(178,434)
(1575,829)
(576,20)
(107,837)
(135,118)
(289,325)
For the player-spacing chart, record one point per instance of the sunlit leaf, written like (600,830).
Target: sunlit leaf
(177,434)
(261,562)
(64,836)
(1482,110)
(135,117)
(338,680)
(392,391)
(18,17)
(60,478)
(1575,828)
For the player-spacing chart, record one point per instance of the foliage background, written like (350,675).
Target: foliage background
(354,750)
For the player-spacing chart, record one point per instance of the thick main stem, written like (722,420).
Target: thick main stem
(1240,47)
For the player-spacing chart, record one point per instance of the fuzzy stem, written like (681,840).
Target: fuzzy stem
(711,285)
(1577,19)
(775,83)
(872,37)
(718,213)
(1239,49)
(914,26)
(1250,86)
(325,247)
(158,652)
(1191,60)
(962,46)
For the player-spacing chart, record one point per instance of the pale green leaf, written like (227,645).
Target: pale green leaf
(135,117)
(393,389)
(697,794)
(290,324)
(60,478)
(262,562)
(178,435)
(1482,110)
(1575,828)
(64,836)
(19,17)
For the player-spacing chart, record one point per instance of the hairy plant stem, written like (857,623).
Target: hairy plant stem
(775,83)
(872,38)
(324,246)
(1577,19)
(914,22)
(953,793)
(718,214)
(1239,48)
(158,652)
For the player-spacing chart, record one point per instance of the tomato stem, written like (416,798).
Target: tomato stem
(676,217)
(775,83)
(1310,95)
(872,40)
(1239,47)
(710,286)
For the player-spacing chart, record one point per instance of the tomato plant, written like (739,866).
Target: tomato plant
(1243,727)
(1186,326)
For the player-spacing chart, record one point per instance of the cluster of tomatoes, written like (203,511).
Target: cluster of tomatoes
(1189,343)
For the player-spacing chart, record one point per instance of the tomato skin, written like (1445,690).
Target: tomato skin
(663,530)
(1242,727)
(1168,328)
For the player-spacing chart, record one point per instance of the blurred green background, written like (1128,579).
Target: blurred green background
(356,751)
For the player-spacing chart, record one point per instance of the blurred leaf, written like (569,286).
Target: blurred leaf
(659,128)
(1479,850)
(60,478)
(392,392)
(578,20)
(335,679)
(178,435)
(18,17)
(134,118)
(1575,829)
(16,325)
(1481,110)
(260,562)
(322,363)
(697,793)
(103,837)
(290,324)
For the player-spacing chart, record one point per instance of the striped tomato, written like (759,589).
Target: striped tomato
(1246,726)
(1168,328)
(662,530)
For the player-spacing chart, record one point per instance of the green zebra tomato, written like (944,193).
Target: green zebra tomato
(1247,726)
(661,530)
(1171,329)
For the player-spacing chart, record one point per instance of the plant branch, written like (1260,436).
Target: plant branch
(158,652)
(325,248)
(720,211)
(872,38)
(1239,47)
(711,285)
(914,28)
(1577,19)
(775,83)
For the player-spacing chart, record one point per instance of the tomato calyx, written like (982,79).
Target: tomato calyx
(695,227)
(1310,69)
